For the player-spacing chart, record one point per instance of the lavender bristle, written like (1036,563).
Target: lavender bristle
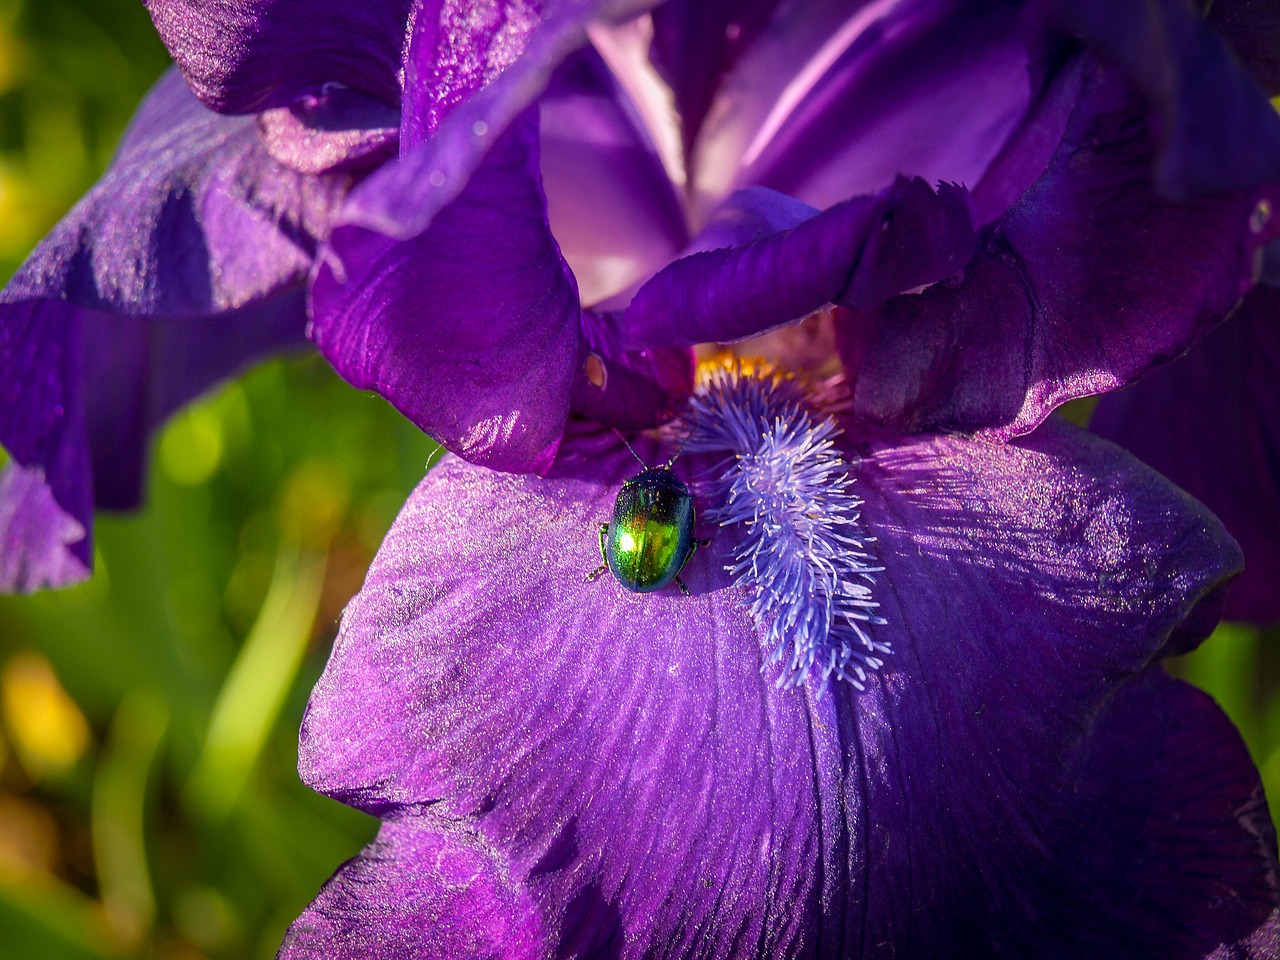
(803,555)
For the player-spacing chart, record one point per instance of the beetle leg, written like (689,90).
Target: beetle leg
(591,577)
(680,584)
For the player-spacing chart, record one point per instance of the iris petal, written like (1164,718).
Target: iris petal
(424,890)
(1218,132)
(1087,282)
(859,252)
(471,328)
(578,728)
(185,263)
(1210,421)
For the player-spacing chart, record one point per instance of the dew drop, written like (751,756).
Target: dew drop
(595,371)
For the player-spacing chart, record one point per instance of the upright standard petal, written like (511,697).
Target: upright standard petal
(613,210)
(1091,279)
(654,794)
(242,56)
(468,75)
(182,265)
(1210,422)
(697,42)
(837,99)
(448,253)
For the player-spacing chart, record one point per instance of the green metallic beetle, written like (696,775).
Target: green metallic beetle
(650,537)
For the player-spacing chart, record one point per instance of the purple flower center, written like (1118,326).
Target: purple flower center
(803,554)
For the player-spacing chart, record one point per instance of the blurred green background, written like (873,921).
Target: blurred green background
(149,805)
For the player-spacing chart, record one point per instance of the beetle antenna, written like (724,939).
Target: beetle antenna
(629,447)
(679,450)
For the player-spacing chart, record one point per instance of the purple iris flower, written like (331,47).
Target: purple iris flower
(961,742)
(929,721)
(565,768)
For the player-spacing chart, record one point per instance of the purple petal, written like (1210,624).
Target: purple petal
(185,263)
(41,544)
(82,392)
(422,889)
(696,42)
(470,329)
(836,100)
(1252,31)
(1219,132)
(1210,422)
(1142,814)
(242,56)
(137,372)
(613,210)
(448,253)
(1090,279)
(750,214)
(193,218)
(468,75)
(860,252)
(655,794)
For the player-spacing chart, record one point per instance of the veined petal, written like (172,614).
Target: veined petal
(1210,422)
(194,217)
(468,75)
(838,99)
(579,729)
(1090,280)
(242,56)
(929,90)
(696,42)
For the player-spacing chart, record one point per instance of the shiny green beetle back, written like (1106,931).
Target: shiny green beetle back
(650,535)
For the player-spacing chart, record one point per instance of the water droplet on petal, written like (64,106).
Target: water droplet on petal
(595,371)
